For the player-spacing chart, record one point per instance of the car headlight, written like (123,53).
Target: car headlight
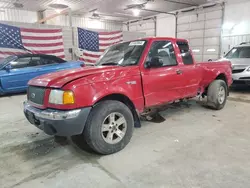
(61,97)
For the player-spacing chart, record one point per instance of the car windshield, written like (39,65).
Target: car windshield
(239,52)
(4,61)
(123,54)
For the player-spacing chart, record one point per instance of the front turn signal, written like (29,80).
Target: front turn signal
(68,97)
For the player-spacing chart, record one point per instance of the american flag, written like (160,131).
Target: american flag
(92,44)
(16,41)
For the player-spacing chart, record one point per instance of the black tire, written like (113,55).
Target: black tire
(93,134)
(213,98)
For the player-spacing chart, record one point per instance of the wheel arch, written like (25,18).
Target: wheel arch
(126,100)
(222,76)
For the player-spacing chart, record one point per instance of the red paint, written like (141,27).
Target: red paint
(154,86)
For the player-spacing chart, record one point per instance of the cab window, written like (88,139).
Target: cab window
(164,51)
(185,53)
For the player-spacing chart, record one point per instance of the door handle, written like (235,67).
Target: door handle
(178,71)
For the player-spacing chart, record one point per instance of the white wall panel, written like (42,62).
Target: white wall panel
(184,35)
(212,32)
(14,15)
(197,25)
(165,25)
(183,27)
(196,42)
(215,23)
(213,15)
(211,41)
(196,34)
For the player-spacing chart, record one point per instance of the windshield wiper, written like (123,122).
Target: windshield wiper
(109,63)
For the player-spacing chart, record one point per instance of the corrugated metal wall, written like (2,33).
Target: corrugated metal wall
(15,15)
(229,42)
(203,30)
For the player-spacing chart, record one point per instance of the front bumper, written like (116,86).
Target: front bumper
(57,122)
(241,78)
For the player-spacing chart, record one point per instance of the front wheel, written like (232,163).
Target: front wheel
(109,127)
(217,94)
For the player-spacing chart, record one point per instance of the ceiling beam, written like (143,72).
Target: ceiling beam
(156,11)
(182,3)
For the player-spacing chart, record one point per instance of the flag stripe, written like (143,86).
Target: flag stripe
(28,40)
(43,45)
(93,44)
(109,44)
(40,30)
(110,38)
(88,61)
(47,51)
(90,58)
(110,41)
(42,41)
(110,33)
(91,55)
(42,38)
(41,34)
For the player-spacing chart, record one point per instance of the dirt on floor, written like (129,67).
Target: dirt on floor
(192,146)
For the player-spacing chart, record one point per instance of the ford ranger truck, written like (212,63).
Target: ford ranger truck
(102,103)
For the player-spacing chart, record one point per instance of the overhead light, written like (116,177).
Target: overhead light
(196,50)
(58,7)
(211,50)
(136,11)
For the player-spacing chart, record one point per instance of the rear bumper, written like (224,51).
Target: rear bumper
(57,122)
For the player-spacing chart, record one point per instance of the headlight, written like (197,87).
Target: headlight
(61,97)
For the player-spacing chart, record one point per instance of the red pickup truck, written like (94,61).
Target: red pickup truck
(103,103)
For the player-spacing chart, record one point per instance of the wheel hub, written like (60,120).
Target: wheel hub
(221,95)
(114,128)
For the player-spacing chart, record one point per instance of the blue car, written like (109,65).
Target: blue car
(16,71)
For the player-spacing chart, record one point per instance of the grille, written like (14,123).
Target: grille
(36,94)
(238,71)
(245,78)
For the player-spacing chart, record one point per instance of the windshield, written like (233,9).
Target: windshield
(3,62)
(239,52)
(123,54)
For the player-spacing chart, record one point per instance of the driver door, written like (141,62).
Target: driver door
(162,84)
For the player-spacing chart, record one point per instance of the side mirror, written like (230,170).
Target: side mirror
(154,63)
(7,67)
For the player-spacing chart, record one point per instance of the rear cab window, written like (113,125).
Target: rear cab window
(186,54)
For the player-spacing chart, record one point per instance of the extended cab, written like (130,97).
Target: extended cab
(104,102)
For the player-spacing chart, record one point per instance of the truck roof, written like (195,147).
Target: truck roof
(163,38)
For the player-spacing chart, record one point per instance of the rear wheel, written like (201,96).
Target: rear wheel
(217,94)
(109,127)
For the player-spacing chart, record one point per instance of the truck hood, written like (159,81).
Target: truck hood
(61,78)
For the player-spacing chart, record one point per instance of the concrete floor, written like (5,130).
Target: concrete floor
(195,147)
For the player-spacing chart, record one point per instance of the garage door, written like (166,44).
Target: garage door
(144,26)
(203,30)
